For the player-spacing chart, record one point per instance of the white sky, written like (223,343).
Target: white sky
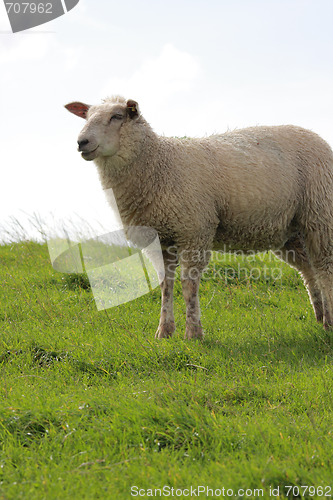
(196,67)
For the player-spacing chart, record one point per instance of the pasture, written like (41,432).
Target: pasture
(91,405)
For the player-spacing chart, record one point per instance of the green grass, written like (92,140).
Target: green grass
(91,404)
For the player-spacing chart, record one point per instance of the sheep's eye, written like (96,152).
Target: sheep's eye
(117,116)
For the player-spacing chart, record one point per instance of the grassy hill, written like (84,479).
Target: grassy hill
(92,406)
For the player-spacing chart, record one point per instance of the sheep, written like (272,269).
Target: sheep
(255,189)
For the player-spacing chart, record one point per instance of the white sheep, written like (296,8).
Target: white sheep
(260,188)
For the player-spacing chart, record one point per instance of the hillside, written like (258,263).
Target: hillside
(92,405)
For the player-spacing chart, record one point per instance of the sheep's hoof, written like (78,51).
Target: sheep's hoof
(193,332)
(165,331)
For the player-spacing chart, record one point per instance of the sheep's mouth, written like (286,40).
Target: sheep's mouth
(89,155)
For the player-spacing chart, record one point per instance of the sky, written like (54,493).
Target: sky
(196,67)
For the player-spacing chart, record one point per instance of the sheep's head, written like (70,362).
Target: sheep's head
(101,134)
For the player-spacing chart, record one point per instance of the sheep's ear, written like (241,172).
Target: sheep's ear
(132,108)
(78,108)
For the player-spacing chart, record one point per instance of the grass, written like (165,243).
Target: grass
(92,405)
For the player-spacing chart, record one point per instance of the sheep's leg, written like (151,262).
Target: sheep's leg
(319,243)
(325,280)
(190,277)
(295,254)
(191,296)
(167,324)
(324,277)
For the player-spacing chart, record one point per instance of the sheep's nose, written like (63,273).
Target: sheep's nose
(82,143)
